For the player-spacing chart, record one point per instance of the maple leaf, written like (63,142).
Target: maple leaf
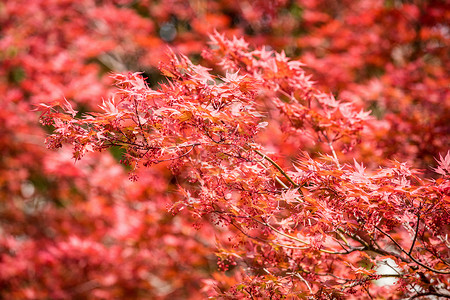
(290,196)
(109,107)
(443,165)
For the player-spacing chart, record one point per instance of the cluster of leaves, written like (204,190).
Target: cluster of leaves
(127,242)
(314,227)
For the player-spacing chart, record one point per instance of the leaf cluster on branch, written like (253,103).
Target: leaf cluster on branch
(313,226)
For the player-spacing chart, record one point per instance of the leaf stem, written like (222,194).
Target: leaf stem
(273,163)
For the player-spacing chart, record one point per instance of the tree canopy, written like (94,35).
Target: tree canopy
(224,149)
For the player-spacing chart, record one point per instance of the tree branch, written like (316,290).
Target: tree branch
(273,163)
(415,235)
(410,256)
(429,294)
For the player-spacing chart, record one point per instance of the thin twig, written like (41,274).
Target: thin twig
(410,256)
(178,157)
(415,234)
(334,153)
(139,121)
(273,163)
(304,242)
(429,294)
(367,291)
(306,282)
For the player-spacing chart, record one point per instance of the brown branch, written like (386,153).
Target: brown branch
(273,163)
(179,156)
(415,235)
(430,294)
(139,121)
(410,256)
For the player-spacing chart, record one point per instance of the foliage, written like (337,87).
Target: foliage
(288,218)
(250,159)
